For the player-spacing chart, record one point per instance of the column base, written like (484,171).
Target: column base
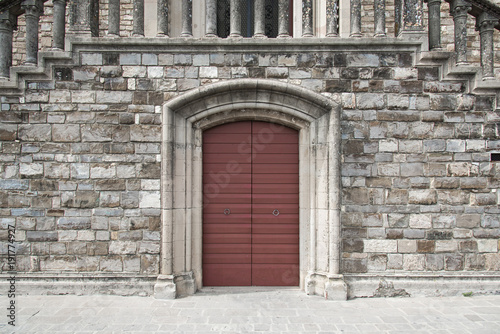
(259,36)
(235,36)
(356,35)
(380,34)
(332,287)
(186,35)
(173,286)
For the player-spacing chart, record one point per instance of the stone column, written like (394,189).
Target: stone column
(7,23)
(307,18)
(355,18)
(59,26)
(409,16)
(32,10)
(459,10)
(235,18)
(434,29)
(187,18)
(283,19)
(138,29)
(259,19)
(162,18)
(485,23)
(332,18)
(211,18)
(379,18)
(84,17)
(114,18)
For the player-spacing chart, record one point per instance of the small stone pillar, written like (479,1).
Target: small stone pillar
(485,23)
(114,18)
(84,17)
(162,18)
(459,10)
(211,18)
(259,19)
(235,19)
(379,18)
(409,16)
(283,19)
(59,25)
(7,23)
(434,29)
(138,28)
(332,18)
(307,18)
(355,18)
(187,18)
(32,10)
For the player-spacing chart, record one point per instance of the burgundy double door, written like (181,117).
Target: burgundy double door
(250,205)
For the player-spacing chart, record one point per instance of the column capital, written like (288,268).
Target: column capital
(7,21)
(32,7)
(486,22)
(433,2)
(460,8)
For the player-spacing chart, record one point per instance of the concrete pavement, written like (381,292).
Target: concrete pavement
(238,310)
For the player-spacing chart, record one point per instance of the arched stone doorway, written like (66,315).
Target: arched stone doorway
(317,119)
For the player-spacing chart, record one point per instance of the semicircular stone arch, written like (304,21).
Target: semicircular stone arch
(186,117)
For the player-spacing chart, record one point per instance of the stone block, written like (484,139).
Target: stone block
(41,236)
(35,132)
(353,266)
(130,59)
(492,262)
(8,132)
(74,223)
(91,58)
(394,261)
(425,246)
(468,220)
(149,199)
(484,199)
(370,101)
(122,247)
(443,102)
(363,60)
(490,221)
(113,97)
(377,262)
(446,246)
(14,184)
(149,264)
(33,170)
(209,72)
(405,73)
(111,264)
(380,246)
(102,171)
(434,262)
(407,246)
(422,196)
(454,262)
(439,235)
(56,170)
(187,84)
(413,262)
(420,221)
(148,247)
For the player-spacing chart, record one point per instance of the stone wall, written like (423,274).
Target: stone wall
(80,159)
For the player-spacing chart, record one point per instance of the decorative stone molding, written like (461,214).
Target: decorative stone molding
(318,120)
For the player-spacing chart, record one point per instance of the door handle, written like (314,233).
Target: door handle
(276,212)
(227,212)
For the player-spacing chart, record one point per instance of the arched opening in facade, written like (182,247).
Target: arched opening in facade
(317,119)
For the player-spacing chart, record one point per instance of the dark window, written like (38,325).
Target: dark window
(247,18)
(495,156)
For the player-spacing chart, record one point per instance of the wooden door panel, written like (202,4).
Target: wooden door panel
(250,169)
